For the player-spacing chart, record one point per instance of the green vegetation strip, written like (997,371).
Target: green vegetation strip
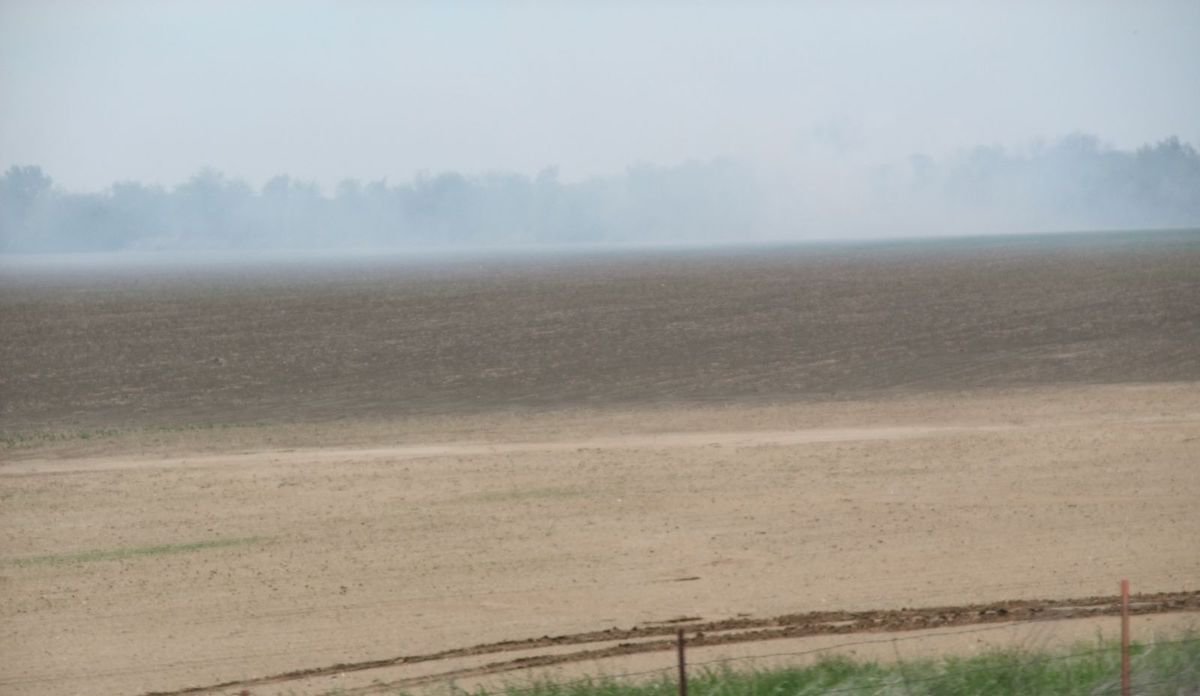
(519,494)
(40,437)
(1166,667)
(131,552)
(35,438)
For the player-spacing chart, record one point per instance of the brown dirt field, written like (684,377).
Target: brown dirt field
(338,555)
(295,343)
(214,476)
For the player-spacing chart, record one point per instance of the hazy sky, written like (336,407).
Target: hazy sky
(102,91)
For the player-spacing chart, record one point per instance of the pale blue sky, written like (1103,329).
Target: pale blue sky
(154,90)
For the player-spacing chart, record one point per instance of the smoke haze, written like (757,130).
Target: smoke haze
(1075,183)
(146,125)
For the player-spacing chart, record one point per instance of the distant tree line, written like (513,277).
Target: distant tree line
(691,201)
(1074,183)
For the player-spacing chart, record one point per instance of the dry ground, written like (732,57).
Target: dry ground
(127,573)
(219,476)
(291,343)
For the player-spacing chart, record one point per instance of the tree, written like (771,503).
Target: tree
(25,192)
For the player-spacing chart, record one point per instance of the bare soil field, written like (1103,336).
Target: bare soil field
(217,480)
(103,348)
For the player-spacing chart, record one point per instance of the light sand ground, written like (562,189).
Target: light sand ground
(447,532)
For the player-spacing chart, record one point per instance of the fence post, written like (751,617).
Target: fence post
(1126,681)
(682,663)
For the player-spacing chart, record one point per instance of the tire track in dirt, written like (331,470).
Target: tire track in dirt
(660,637)
(668,440)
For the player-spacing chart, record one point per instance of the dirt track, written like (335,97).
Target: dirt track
(166,569)
(701,634)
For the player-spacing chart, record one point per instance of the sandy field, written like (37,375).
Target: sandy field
(185,567)
(210,478)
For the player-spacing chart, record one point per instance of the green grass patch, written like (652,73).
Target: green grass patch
(44,437)
(1090,669)
(519,494)
(131,552)
(37,438)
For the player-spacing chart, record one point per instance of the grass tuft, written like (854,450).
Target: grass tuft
(130,552)
(1090,669)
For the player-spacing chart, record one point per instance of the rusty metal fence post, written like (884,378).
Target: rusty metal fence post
(679,645)
(1126,680)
